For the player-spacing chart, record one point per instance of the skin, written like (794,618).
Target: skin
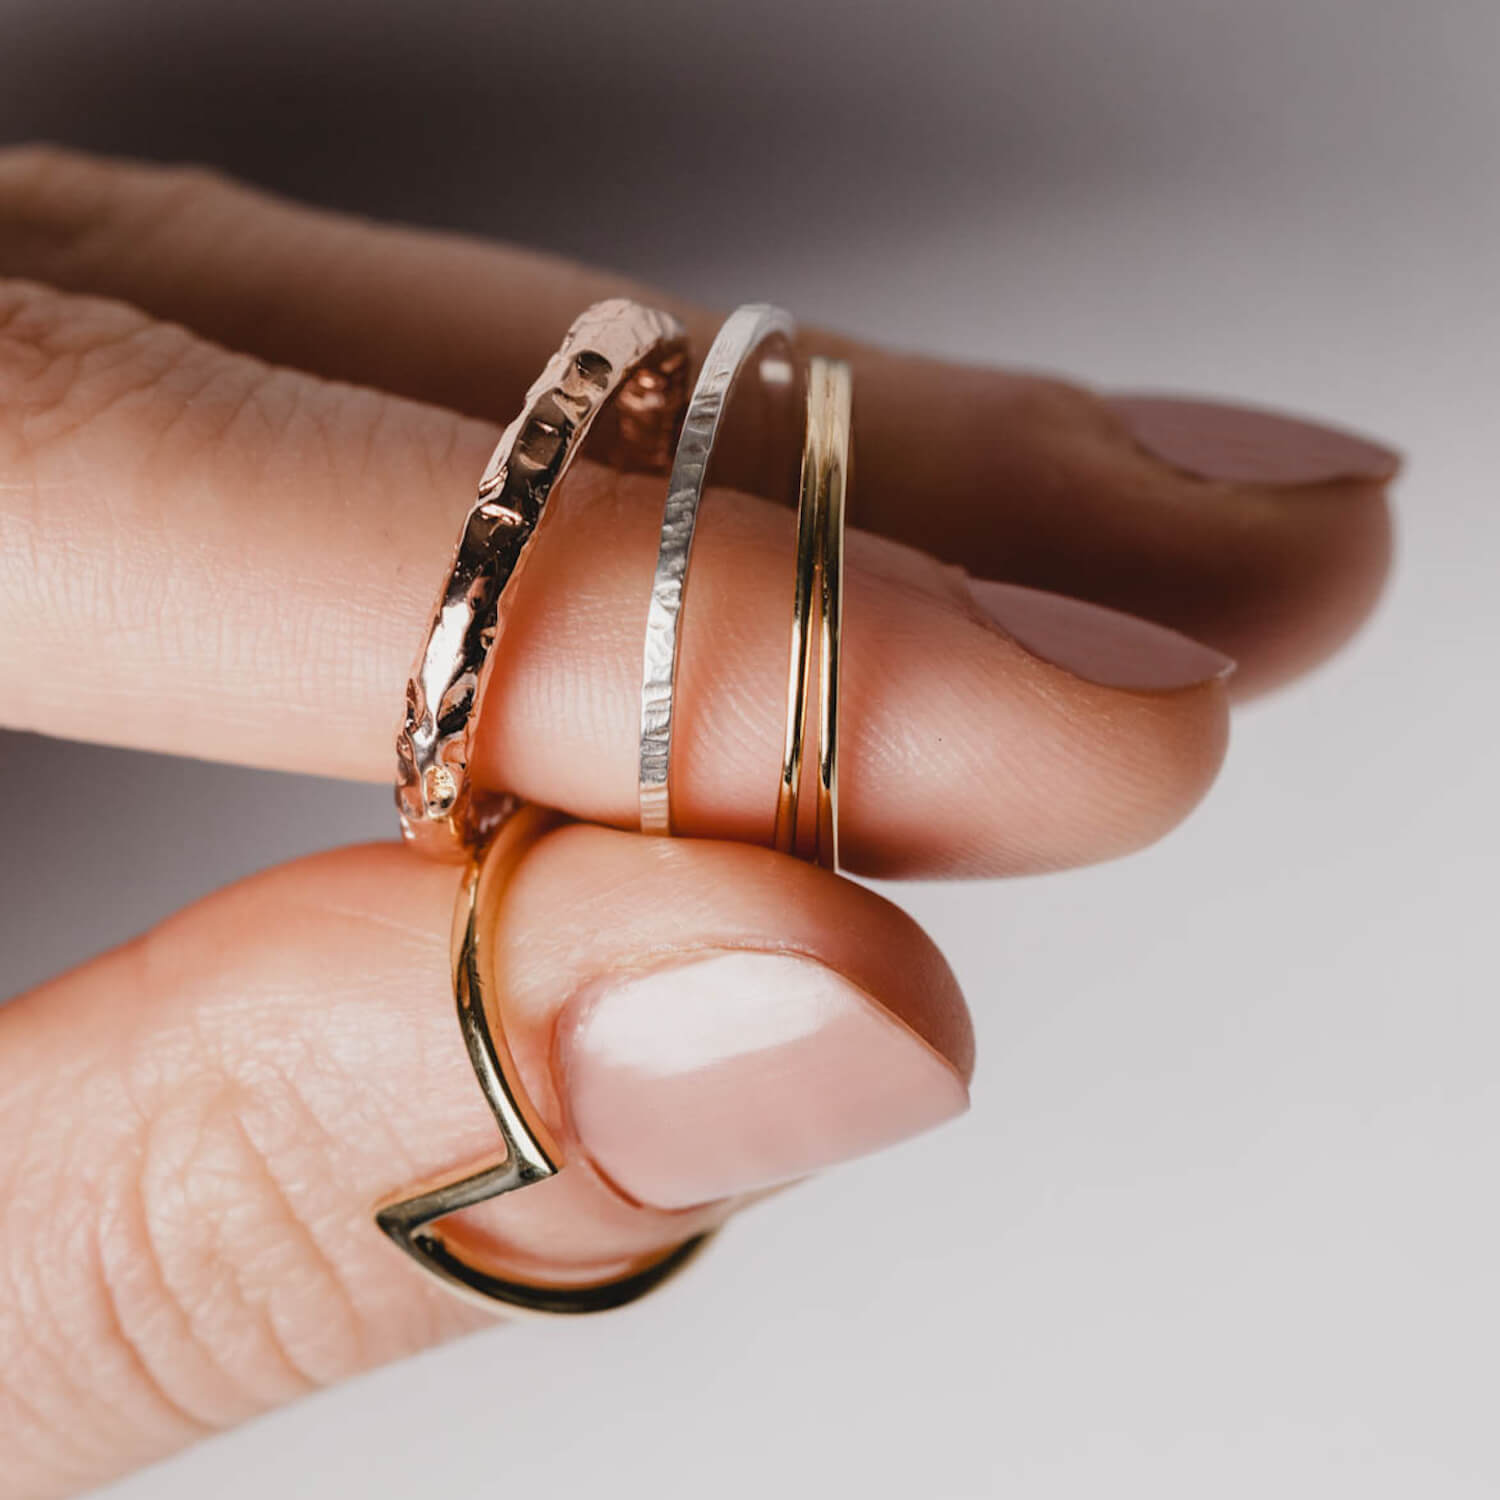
(236,437)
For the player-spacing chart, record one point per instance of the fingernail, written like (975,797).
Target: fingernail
(1100,645)
(735,1071)
(1247,445)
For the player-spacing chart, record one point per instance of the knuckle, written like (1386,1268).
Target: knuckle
(215,1214)
(119,390)
(76,377)
(68,362)
(160,1276)
(1055,415)
(62,207)
(96,397)
(201,1244)
(71,1367)
(52,201)
(32,174)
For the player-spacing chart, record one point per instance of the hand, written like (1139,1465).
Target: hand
(214,546)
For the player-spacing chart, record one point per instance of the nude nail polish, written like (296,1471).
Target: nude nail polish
(1102,646)
(733,1071)
(1249,445)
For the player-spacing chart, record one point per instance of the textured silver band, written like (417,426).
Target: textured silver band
(755,329)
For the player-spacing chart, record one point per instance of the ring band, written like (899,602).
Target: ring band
(836,425)
(820,576)
(617,349)
(531,1153)
(751,330)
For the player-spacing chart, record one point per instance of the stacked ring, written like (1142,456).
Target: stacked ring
(820,575)
(616,349)
(754,332)
(531,1153)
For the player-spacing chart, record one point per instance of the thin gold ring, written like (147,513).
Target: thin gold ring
(819,575)
(531,1151)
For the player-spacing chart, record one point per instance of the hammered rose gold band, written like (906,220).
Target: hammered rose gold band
(616,349)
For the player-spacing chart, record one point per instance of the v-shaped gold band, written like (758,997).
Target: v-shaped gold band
(531,1153)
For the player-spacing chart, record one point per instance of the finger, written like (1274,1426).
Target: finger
(210,556)
(1264,535)
(198,1125)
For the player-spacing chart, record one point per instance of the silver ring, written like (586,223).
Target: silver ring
(744,333)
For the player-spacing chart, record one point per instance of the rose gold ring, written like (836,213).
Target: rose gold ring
(616,349)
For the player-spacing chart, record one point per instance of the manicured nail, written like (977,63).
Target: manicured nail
(731,1072)
(1100,645)
(1247,445)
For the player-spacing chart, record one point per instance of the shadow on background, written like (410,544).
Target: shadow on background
(636,135)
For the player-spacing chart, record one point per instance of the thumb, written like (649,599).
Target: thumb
(201,1123)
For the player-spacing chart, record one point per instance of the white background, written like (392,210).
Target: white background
(1222,1221)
